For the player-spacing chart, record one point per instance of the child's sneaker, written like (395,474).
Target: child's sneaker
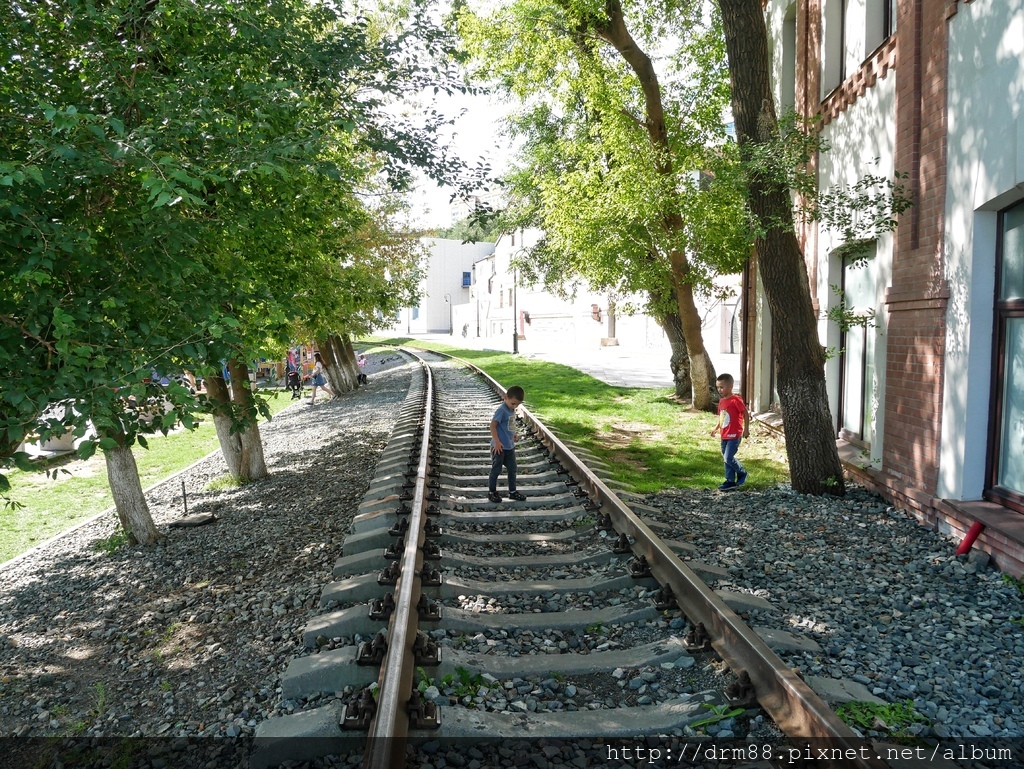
(741,478)
(494,497)
(518,496)
(728,486)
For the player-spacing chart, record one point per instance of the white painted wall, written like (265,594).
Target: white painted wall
(442,274)
(862,142)
(985,173)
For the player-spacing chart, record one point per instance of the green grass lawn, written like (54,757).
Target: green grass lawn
(649,439)
(80,489)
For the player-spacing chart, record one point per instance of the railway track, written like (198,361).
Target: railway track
(563,617)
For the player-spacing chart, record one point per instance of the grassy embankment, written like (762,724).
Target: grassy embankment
(80,489)
(650,440)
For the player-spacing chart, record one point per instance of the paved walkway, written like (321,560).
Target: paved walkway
(619,366)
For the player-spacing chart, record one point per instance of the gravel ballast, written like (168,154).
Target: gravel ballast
(888,601)
(188,638)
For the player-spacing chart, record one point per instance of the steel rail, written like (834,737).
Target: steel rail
(796,708)
(389,730)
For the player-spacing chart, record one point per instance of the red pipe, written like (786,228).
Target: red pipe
(972,535)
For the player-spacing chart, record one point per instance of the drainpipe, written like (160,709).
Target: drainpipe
(972,535)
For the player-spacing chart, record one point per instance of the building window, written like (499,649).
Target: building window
(787,77)
(857,356)
(1006,452)
(467,279)
(880,21)
(833,45)
(415,313)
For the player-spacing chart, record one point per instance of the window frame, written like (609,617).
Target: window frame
(1003,310)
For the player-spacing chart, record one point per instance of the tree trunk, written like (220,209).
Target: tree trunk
(680,360)
(614,31)
(335,374)
(814,464)
(348,358)
(230,443)
(130,502)
(252,465)
(702,372)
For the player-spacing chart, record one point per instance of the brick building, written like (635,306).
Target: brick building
(928,395)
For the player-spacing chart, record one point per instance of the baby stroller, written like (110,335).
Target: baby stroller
(295,384)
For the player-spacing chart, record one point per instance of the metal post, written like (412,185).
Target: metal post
(451,326)
(515,313)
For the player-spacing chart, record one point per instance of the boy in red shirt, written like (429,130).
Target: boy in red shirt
(733,424)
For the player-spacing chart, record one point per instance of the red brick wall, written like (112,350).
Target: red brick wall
(917,299)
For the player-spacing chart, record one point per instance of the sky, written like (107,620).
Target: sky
(476,134)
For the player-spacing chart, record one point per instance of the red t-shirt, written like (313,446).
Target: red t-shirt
(731,413)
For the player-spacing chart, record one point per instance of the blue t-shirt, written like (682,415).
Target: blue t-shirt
(503,416)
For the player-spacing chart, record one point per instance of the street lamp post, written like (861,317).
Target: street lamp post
(515,313)
(451,327)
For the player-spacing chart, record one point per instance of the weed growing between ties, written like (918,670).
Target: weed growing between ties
(893,718)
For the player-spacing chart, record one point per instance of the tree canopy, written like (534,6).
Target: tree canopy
(183,183)
(625,162)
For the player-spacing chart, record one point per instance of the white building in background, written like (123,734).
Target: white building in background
(447,277)
(500,302)
(472,291)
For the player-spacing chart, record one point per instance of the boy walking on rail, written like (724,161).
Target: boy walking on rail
(503,444)
(733,424)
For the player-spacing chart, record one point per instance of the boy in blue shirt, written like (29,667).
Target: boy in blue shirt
(503,445)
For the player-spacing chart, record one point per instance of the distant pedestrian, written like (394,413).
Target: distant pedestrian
(503,444)
(361,378)
(318,379)
(733,424)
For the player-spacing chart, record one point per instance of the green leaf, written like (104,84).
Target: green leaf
(106,442)
(86,449)
(142,441)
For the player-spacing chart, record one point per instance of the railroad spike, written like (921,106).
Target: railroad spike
(433,510)
(665,599)
(427,652)
(698,639)
(429,576)
(740,692)
(432,528)
(423,714)
(622,544)
(382,608)
(401,526)
(431,550)
(403,509)
(639,568)
(372,652)
(390,575)
(604,522)
(394,551)
(428,610)
(358,713)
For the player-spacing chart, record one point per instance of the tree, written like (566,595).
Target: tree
(629,176)
(800,359)
(166,169)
